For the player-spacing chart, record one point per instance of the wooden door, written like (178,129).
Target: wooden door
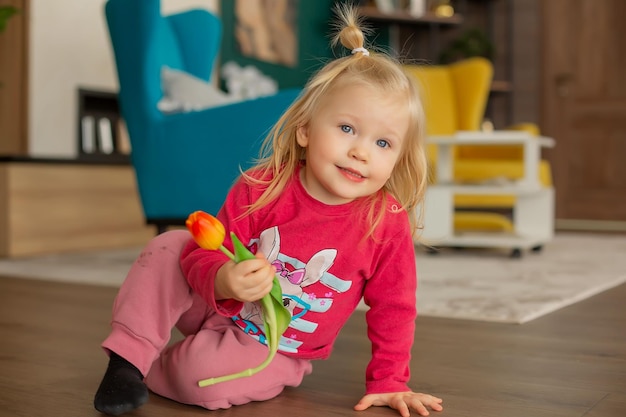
(584,106)
(14,81)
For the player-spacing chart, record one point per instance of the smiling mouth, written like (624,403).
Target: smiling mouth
(351,173)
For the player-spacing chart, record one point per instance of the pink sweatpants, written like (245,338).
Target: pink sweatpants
(153,299)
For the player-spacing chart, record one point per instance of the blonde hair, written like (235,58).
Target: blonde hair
(281,154)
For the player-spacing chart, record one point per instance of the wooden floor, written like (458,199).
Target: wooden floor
(570,363)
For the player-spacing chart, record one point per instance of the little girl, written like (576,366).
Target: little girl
(330,210)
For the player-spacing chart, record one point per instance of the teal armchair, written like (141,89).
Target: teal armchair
(183,161)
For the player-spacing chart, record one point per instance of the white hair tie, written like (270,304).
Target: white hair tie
(364,51)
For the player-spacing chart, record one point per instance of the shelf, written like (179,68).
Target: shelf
(92,160)
(490,239)
(482,189)
(102,158)
(497,137)
(402,16)
(532,220)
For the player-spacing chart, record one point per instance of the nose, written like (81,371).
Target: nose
(358,151)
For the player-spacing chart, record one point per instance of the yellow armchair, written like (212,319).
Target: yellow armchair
(455,99)
(455,96)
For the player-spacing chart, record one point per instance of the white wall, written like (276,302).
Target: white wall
(70,48)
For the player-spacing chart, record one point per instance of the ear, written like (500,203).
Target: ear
(302,136)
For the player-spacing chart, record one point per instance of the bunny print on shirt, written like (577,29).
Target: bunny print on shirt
(294,276)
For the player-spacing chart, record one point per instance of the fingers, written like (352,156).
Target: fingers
(415,405)
(400,405)
(420,402)
(435,403)
(364,403)
(252,279)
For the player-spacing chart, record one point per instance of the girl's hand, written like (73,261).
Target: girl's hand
(403,402)
(245,281)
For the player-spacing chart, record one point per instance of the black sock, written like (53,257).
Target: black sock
(122,388)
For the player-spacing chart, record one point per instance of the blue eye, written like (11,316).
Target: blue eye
(382,143)
(346,129)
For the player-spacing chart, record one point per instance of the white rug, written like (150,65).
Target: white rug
(467,284)
(481,285)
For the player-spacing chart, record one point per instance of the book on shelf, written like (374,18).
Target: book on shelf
(88,134)
(105,134)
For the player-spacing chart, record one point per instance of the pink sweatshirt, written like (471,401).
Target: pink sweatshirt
(325,267)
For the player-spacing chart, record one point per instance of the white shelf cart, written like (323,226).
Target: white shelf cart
(533,213)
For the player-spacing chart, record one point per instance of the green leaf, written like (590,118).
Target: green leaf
(283,316)
(276,319)
(241,252)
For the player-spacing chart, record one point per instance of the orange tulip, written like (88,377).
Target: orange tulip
(206,230)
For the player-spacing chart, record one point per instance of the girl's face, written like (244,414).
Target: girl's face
(352,142)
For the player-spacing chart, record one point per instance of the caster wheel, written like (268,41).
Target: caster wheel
(516,253)
(432,251)
(537,249)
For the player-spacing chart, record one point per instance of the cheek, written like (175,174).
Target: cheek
(388,164)
(388,174)
(321,147)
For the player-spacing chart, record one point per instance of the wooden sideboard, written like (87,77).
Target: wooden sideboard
(56,206)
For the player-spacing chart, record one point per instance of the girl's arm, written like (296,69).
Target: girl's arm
(391,295)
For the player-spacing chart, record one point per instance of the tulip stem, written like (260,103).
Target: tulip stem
(227,252)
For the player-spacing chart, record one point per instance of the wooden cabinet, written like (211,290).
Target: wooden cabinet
(57,206)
